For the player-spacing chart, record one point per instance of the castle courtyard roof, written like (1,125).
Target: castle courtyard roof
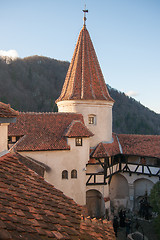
(47,131)
(77,129)
(6,111)
(129,144)
(142,145)
(31,208)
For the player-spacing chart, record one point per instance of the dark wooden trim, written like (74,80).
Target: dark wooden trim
(100,162)
(96,184)
(88,179)
(107,167)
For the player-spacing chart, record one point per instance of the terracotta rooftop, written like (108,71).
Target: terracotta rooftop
(44,131)
(96,229)
(6,111)
(31,208)
(84,80)
(78,129)
(142,145)
(106,149)
(128,144)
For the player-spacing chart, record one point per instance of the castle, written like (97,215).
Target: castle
(80,154)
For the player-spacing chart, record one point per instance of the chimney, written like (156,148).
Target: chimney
(7,116)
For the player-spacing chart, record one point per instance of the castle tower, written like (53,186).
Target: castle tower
(84,90)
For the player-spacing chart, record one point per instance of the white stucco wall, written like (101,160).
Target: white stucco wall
(137,186)
(137,159)
(3,136)
(102,130)
(75,158)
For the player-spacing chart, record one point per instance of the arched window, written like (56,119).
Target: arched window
(92,119)
(74,173)
(65,174)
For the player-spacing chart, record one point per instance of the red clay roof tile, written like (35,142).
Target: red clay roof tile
(141,145)
(20,215)
(6,111)
(106,149)
(34,209)
(42,131)
(84,79)
(128,144)
(77,129)
(96,229)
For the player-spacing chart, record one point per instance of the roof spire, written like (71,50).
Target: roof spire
(84,18)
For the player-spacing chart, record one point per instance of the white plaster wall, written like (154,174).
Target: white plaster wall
(137,159)
(118,187)
(75,158)
(102,130)
(135,177)
(141,186)
(136,186)
(94,168)
(3,136)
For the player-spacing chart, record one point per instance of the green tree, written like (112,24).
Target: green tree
(155,203)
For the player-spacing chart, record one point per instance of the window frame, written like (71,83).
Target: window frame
(64,174)
(74,174)
(78,141)
(92,119)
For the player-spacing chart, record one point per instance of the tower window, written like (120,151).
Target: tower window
(78,141)
(92,119)
(65,174)
(13,139)
(74,173)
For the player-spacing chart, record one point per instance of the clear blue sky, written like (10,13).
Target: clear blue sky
(125,34)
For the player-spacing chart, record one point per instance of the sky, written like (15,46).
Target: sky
(125,35)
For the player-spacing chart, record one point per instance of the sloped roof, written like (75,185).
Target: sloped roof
(6,111)
(43,131)
(31,208)
(106,149)
(78,129)
(142,145)
(129,144)
(97,229)
(84,80)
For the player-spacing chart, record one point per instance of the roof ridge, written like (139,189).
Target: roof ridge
(139,135)
(6,111)
(85,132)
(119,144)
(54,113)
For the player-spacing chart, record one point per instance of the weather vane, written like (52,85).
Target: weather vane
(84,18)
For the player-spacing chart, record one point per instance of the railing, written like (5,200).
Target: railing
(131,168)
(141,169)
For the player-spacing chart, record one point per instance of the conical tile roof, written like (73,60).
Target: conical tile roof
(84,80)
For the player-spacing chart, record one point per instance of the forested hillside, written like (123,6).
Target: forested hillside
(34,83)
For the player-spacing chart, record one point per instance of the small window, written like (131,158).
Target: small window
(65,174)
(92,119)
(13,139)
(78,141)
(74,173)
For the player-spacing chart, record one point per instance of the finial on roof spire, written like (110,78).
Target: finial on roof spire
(84,18)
